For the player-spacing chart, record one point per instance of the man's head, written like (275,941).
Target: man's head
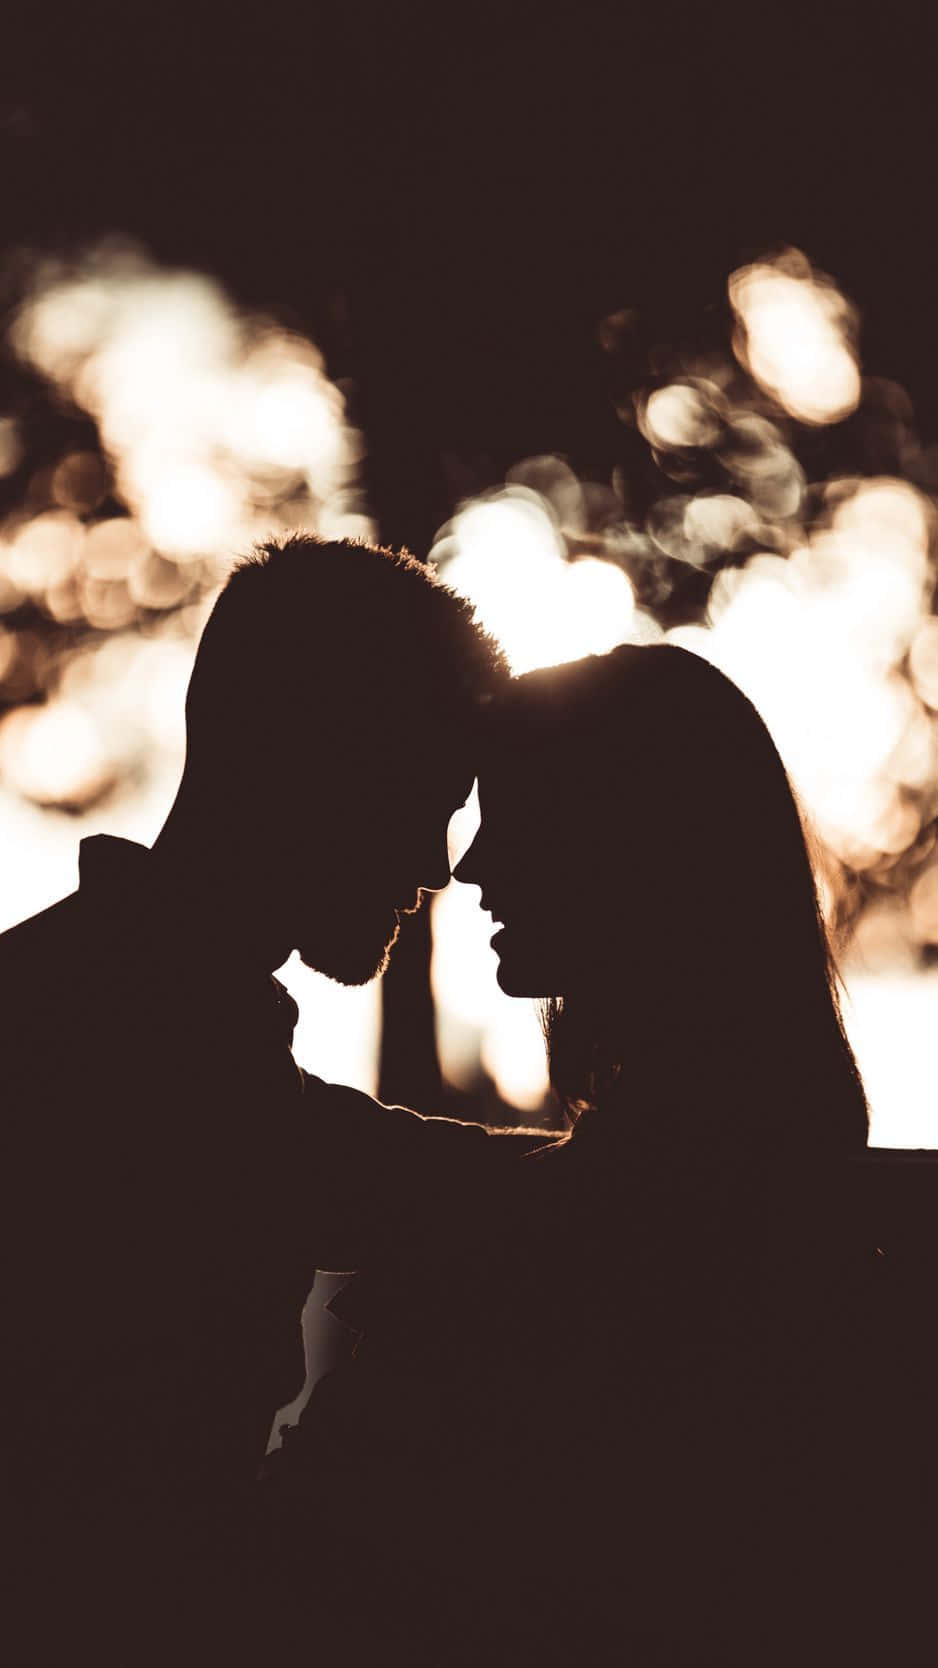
(330,721)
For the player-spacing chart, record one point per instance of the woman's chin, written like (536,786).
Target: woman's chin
(518,977)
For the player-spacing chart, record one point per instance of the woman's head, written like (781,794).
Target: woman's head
(642,846)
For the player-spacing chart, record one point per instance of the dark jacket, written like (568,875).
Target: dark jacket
(602,1409)
(170,1183)
(155,1261)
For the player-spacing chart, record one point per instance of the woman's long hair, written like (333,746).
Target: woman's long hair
(712,977)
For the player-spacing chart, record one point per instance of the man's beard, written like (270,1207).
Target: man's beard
(353,948)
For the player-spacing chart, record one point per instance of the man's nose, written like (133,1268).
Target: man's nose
(436,870)
(467,870)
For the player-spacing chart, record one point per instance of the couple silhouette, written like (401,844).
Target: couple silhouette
(603,1394)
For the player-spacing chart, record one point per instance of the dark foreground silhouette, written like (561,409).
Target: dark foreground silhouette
(614,1392)
(160,1152)
(615,1395)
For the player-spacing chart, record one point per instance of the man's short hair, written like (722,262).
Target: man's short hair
(328,634)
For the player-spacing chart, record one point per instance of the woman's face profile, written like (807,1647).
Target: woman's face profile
(527,858)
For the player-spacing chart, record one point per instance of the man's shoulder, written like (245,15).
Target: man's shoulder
(42,971)
(37,943)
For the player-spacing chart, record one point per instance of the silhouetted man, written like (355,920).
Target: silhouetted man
(158,1136)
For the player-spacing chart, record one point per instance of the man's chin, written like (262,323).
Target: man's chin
(349,961)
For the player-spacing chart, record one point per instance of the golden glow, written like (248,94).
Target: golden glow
(43,553)
(816,641)
(220,427)
(210,417)
(337,1032)
(679,415)
(890,1019)
(11,448)
(186,511)
(284,414)
(105,604)
(513,1054)
(477,1020)
(717,521)
(794,338)
(763,465)
(505,554)
(80,481)
(53,755)
(923,661)
(817,637)
(113,548)
(923,905)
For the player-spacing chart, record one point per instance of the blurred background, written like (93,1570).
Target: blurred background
(628,326)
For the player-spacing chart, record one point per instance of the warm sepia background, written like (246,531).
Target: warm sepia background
(195,427)
(624,319)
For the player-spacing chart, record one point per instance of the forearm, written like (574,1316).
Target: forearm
(371,1165)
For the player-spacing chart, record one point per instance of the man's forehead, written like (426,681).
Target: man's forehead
(444,773)
(457,778)
(513,773)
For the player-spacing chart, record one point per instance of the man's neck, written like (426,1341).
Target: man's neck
(197,867)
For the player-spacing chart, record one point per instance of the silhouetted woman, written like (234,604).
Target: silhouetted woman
(609,1360)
